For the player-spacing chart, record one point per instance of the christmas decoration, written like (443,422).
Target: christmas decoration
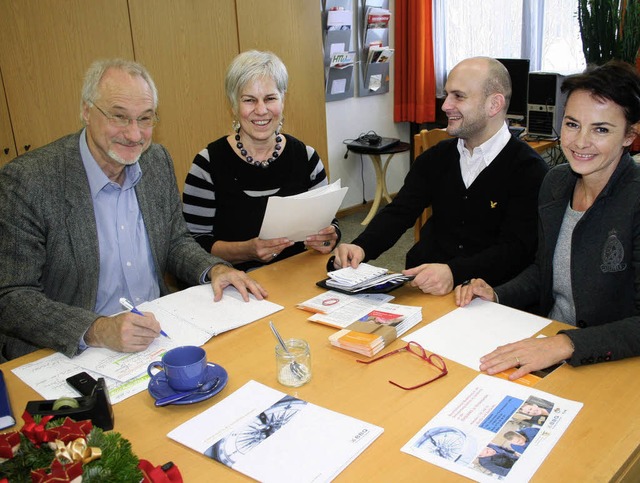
(47,450)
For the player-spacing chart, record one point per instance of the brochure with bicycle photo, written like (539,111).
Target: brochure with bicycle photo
(494,430)
(271,436)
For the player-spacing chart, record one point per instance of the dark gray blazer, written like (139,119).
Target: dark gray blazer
(605,264)
(49,258)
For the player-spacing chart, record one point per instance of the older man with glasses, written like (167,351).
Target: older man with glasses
(93,217)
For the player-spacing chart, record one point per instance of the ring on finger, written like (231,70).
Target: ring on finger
(326,243)
(274,255)
(517,361)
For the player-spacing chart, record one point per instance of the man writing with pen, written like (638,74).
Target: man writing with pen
(93,217)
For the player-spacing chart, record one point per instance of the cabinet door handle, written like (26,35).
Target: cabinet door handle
(27,146)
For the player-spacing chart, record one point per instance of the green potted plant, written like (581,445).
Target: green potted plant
(610,29)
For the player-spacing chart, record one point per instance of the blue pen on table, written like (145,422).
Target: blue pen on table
(129,306)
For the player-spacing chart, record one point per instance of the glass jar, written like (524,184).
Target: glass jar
(293,366)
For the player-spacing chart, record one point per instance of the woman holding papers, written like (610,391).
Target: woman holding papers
(230,181)
(587,269)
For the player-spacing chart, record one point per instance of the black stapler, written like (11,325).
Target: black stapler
(96,407)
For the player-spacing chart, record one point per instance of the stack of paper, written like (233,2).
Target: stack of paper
(297,216)
(361,278)
(377,329)
(271,436)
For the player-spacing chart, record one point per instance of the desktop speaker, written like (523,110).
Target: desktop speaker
(545,104)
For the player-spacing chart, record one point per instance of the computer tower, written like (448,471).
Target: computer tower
(545,104)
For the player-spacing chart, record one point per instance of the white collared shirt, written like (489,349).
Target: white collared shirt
(471,165)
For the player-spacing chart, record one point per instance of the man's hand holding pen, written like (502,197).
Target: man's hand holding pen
(125,332)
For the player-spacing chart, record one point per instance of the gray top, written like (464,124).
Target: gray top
(564,308)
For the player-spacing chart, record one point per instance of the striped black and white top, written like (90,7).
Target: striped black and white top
(225,198)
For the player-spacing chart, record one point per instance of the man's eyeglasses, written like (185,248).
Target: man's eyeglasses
(119,120)
(434,359)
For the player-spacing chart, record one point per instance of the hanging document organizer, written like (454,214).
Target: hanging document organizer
(339,62)
(374,19)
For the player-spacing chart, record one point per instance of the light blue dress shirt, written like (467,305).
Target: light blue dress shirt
(126,262)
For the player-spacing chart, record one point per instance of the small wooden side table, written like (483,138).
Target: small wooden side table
(381,172)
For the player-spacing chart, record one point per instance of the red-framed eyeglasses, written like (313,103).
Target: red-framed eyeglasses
(416,349)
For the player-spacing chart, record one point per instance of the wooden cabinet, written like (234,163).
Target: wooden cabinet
(45,48)
(7,145)
(47,45)
(187,45)
(292,29)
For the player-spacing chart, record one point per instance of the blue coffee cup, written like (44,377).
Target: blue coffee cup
(185,367)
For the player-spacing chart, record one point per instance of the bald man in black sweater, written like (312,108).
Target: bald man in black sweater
(482,187)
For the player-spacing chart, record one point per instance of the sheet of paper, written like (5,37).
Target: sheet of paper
(47,376)
(189,317)
(270,436)
(345,316)
(195,306)
(337,47)
(296,217)
(330,301)
(473,434)
(338,86)
(466,334)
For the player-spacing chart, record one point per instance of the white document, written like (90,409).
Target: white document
(339,19)
(298,216)
(338,86)
(194,310)
(472,435)
(468,333)
(189,317)
(272,437)
(332,301)
(48,377)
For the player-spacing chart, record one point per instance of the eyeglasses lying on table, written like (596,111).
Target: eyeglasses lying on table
(413,347)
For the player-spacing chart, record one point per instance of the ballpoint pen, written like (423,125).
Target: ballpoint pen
(129,306)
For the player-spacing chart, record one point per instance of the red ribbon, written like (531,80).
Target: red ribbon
(69,430)
(167,473)
(9,443)
(59,473)
(35,432)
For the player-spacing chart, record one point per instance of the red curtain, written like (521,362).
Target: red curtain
(415,85)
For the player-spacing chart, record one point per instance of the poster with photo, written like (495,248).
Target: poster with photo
(494,430)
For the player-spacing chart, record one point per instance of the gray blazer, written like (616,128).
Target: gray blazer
(605,264)
(49,258)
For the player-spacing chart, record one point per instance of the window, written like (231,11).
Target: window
(544,31)
(561,42)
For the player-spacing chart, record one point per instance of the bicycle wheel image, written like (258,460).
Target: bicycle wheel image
(241,441)
(448,443)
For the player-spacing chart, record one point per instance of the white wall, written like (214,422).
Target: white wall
(349,118)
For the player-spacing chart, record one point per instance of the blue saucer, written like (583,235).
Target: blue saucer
(159,387)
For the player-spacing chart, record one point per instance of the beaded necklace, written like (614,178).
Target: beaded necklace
(255,162)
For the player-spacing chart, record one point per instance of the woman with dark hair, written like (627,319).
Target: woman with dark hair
(587,268)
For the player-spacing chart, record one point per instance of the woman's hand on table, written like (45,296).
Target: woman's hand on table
(528,355)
